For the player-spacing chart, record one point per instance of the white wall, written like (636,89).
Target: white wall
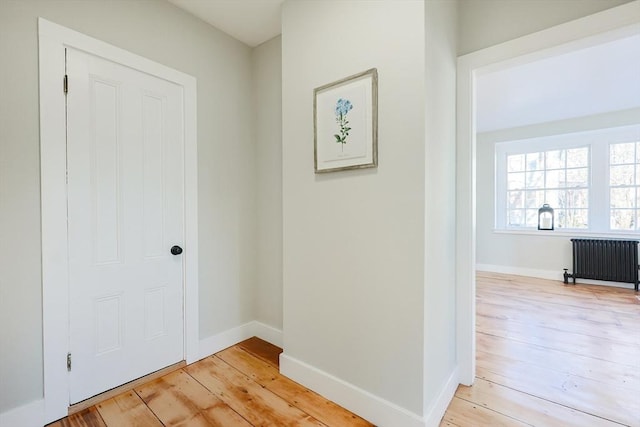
(366,300)
(543,256)
(440,181)
(267,105)
(484,23)
(227,165)
(354,240)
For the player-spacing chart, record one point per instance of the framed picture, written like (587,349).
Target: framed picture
(345,115)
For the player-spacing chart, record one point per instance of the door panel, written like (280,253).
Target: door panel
(154,241)
(125,211)
(105,203)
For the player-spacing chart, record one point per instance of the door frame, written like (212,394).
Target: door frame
(591,30)
(53,39)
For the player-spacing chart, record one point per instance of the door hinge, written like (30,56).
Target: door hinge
(69,362)
(65,84)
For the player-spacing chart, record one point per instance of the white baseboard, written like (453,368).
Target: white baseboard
(433,416)
(218,342)
(29,415)
(546,274)
(519,271)
(604,283)
(267,333)
(373,408)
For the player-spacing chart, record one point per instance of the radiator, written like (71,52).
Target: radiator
(609,260)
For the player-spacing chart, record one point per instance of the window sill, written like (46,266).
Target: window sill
(580,234)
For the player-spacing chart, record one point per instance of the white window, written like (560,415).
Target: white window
(590,179)
(624,185)
(557,177)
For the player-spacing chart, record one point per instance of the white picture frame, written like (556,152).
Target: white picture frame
(345,115)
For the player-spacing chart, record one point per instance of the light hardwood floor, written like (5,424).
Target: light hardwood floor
(548,354)
(237,387)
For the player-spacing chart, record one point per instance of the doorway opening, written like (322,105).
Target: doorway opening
(594,30)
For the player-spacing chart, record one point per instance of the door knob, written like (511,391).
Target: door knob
(176,250)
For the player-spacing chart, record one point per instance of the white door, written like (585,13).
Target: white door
(125,213)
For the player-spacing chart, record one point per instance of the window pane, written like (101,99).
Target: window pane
(578,157)
(555,159)
(515,181)
(577,218)
(515,163)
(535,161)
(532,217)
(556,198)
(623,198)
(561,218)
(624,177)
(559,177)
(516,200)
(622,153)
(534,199)
(516,218)
(535,179)
(578,177)
(556,179)
(623,219)
(578,199)
(621,175)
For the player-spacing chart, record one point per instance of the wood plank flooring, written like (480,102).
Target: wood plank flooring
(237,387)
(548,355)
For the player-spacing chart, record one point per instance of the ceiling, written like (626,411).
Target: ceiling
(589,81)
(251,21)
(594,80)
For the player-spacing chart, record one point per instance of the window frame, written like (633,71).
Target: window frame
(598,142)
(635,185)
(545,172)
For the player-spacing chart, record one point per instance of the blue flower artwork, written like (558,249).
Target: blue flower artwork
(343,106)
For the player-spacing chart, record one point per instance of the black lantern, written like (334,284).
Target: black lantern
(545,217)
